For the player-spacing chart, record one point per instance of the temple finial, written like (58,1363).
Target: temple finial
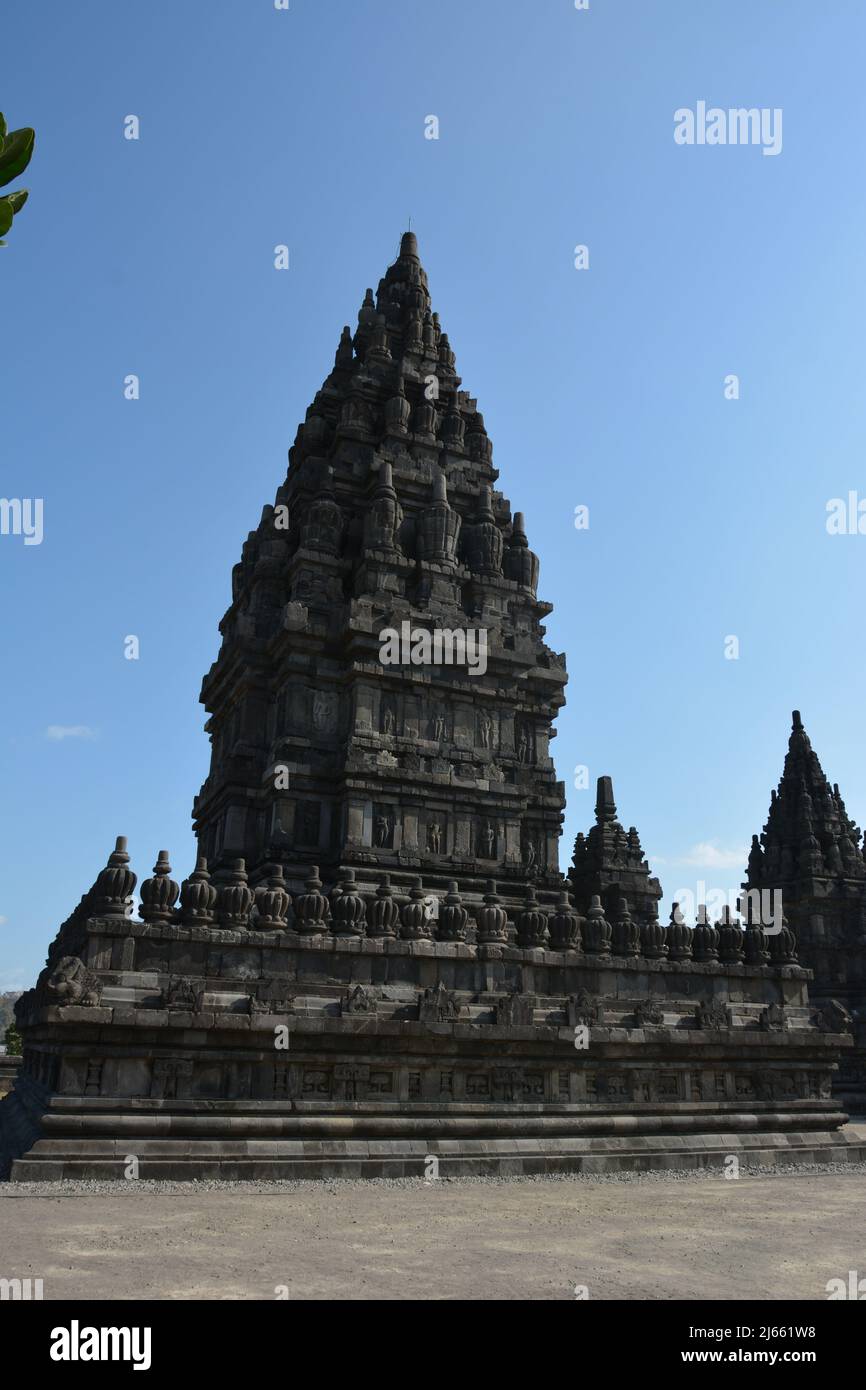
(605,806)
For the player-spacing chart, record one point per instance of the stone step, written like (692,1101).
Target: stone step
(186,1162)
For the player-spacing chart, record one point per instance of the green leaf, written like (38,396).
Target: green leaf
(18,198)
(15,155)
(6,214)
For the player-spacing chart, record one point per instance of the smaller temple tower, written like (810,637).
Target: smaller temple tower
(609,863)
(810,850)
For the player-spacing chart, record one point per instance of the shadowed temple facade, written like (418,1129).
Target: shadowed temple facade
(326,750)
(377,958)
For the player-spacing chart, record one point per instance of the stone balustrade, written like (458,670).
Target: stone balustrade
(228,905)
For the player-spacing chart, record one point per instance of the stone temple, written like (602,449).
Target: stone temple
(376,961)
(810,853)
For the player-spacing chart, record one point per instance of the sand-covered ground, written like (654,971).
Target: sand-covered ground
(766,1236)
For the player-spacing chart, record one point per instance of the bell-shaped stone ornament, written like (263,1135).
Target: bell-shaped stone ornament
(597,931)
(235,899)
(273,902)
(198,897)
(160,893)
(111,894)
(532,932)
(453,917)
(679,936)
(383,914)
(491,919)
(312,912)
(564,926)
(705,938)
(415,915)
(348,909)
(626,932)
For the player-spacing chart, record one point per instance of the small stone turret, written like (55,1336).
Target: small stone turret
(609,863)
(808,864)
(520,563)
(484,541)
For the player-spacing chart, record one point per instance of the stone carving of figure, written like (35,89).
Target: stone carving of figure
(72,983)
(389,717)
(439,728)
(523,744)
(530,854)
(434,837)
(488,840)
(322,710)
(383,831)
(485,728)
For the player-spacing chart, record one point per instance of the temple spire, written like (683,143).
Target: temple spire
(609,862)
(808,833)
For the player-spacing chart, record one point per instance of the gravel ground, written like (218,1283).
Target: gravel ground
(771,1234)
(141,1187)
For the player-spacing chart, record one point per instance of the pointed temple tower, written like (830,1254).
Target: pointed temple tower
(609,862)
(375,957)
(810,851)
(325,753)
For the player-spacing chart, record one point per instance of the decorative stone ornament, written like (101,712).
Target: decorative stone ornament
(111,894)
(625,940)
(415,915)
(679,936)
(272,902)
(532,925)
(597,931)
(713,1013)
(198,897)
(731,948)
(160,893)
(311,908)
(564,926)
(348,909)
(453,917)
(71,982)
(438,1005)
(783,946)
(492,919)
(234,899)
(384,912)
(705,939)
(653,940)
(649,1014)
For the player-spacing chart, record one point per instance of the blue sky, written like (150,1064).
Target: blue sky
(602,388)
